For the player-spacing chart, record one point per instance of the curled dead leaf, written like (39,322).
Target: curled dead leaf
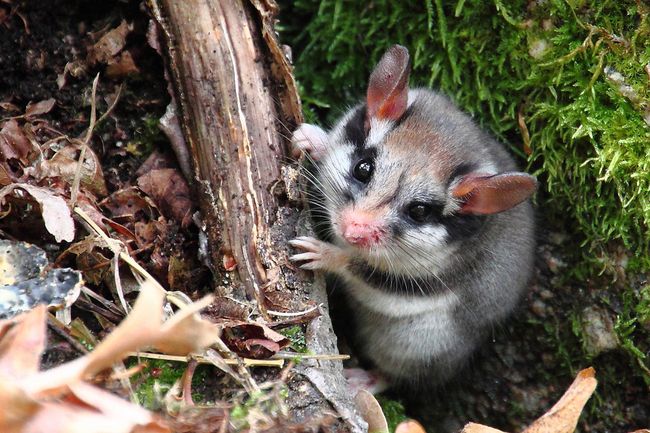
(38,108)
(22,343)
(478,428)
(109,45)
(64,164)
(123,66)
(127,202)
(55,211)
(409,426)
(171,193)
(563,416)
(253,340)
(14,143)
(371,412)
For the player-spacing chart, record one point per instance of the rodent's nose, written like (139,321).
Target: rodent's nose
(362,228)
(362,235)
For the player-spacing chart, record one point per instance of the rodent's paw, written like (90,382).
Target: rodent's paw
(318,254)
(309,139)
(359,379)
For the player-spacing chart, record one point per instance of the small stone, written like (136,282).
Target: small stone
(546,294)
(557,238)
(538,48)
(554,264)
(539,308)
(598,331)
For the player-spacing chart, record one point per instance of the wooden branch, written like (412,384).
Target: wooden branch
(229,117)
(237,101)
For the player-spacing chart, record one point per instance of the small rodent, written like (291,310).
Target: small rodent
(427,224)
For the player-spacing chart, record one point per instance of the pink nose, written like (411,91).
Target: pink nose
(362,235)
(361,227)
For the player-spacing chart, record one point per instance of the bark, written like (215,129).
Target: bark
(237,101)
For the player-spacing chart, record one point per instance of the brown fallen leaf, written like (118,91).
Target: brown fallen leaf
(371,412)
(109,45)
(563,416)
(10,107)
(123,66)
(56,214)
(127,202)
(59,401)
(38,108)
(14,143)
(156,160)
(64,164)
(183,333)
(409,426)
(478,428)
(171,193)
(253,340)
(22,343)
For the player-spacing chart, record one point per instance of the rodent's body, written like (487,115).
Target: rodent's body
(426,226)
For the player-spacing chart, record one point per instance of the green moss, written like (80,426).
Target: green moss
(393,411)
(146,135)
(296,335)
(158,377)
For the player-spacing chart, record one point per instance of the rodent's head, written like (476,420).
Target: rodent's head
(406,175)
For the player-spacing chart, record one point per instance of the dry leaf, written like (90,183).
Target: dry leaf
(563,416)
(22,344)
(64,164)
(13,142)
(183,333)
(169,190)
(39,108)
(58,401)
(253,340)
(109,45)
(371,412)
(478,428)
(123,66)
(56,214)
(8,106)
(410,426)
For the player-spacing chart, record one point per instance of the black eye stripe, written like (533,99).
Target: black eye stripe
(354,130)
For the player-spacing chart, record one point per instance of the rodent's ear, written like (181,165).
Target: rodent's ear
(481,194)
(387,95)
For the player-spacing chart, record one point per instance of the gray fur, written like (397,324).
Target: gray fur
(422,309)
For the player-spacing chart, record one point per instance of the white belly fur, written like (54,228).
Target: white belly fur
(404,328)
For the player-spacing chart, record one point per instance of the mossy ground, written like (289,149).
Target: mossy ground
(565,84)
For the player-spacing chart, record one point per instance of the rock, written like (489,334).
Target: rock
(598,331)
(538,308)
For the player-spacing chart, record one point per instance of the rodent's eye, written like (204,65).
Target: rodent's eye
(363,170)
(419,212)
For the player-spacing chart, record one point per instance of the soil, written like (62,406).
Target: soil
(520,372)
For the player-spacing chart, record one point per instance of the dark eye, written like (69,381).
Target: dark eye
(419,212)
(363,170)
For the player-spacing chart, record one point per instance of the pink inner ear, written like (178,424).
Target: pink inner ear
(387,95)
(490,194)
